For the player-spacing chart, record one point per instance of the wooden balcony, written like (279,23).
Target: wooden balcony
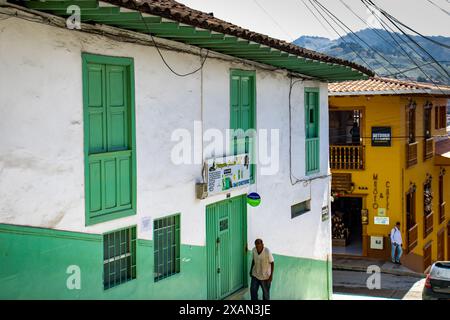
(441,212)
(428,151)
(412,238)
(428,225)
(347,157)
(411,154)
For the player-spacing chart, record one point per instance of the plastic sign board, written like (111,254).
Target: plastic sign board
(381,136)
(381,220)
(227,173)
(376,243)
(382,212)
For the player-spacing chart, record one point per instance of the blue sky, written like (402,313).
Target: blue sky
(289,19)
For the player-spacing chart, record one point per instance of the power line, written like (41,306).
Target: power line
(362,59)
(161,55)
(326,29)
(373,29)
(273,20)
(440,8)
(384,25)
(330,14)
(425,64)
(389,16)
(393,38)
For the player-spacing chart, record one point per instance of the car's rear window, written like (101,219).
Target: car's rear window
(441,270)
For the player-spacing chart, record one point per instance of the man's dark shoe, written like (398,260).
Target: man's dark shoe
(398,262)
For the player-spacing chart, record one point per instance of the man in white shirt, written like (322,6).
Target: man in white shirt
(396,244)
(261,270)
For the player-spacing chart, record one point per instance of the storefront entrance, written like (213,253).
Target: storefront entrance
(226,242)
(347,226)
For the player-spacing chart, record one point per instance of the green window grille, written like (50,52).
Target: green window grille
(300,208)
(166,238)
(119,257)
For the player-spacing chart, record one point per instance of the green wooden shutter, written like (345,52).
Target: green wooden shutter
(312,121)
(243,112)
(109,137)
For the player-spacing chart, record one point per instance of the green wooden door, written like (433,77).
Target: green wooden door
(109,137)
(225,244)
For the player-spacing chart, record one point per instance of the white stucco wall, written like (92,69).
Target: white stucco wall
(41,144)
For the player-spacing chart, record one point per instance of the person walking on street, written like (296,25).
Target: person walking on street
(396,244)
(261,270)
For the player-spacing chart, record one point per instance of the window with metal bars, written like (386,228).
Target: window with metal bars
(166,239)
(119,257)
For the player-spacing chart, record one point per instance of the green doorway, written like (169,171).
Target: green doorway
(226,247)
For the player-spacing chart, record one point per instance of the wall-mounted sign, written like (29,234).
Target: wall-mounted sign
(364,216)
(376,242)
(381,212)
(227,173)
(325,213)
(381,220)
(254,199)
(381,136)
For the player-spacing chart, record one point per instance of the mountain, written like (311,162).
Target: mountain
(391,58)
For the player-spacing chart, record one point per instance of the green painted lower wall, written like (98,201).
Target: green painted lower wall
(299,279)
(34,261)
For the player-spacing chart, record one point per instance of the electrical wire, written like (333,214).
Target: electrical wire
(339,35)
(423,65)
(384,25)
(325,28)
(330,14)
(403,72)
(273,20)
(440,8)
(416,32)
(161,55)
(356,52)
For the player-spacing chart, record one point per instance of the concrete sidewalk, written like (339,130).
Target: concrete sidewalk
(355,263)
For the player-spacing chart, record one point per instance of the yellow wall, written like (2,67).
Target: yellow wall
(388,163)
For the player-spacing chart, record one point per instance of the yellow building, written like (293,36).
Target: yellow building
(389,153)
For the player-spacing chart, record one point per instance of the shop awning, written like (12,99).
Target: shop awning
(172,20)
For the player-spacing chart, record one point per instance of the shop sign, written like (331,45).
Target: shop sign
(364,216)
(381,212)
(227,173)
(381,136)
(381,220)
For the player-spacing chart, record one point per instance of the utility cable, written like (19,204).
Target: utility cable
(161,55)
(384,25)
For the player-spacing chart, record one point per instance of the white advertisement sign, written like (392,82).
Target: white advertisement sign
(381,220)
(227,173)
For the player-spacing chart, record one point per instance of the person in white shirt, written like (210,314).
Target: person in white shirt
(396,244)
(261,270)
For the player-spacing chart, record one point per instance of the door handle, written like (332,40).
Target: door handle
(218,270)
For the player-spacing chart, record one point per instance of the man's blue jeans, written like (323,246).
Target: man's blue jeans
(254,286)
(396,257)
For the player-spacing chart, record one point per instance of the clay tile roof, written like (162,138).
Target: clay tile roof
(174,10)
(380,85)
